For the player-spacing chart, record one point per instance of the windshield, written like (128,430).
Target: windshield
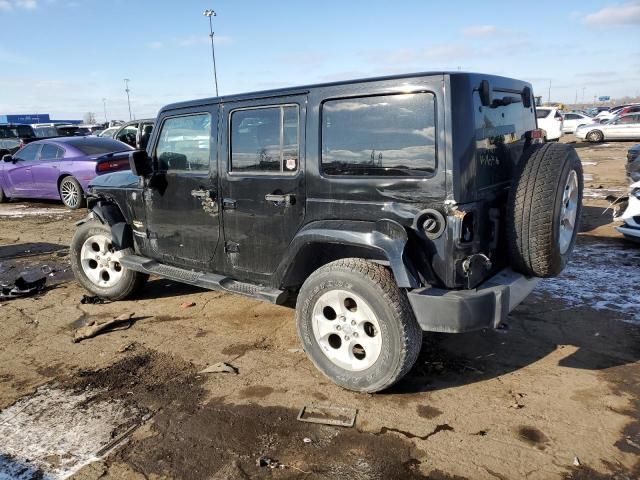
(98,145)
(6,132)
(42,132)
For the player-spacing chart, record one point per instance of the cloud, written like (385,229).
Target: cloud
(190,41)
(407,56)
(11,5)
(622,14)
(480,31)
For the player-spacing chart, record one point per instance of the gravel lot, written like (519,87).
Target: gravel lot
(557,395)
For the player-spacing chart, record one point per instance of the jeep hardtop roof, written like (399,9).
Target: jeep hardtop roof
(303,89)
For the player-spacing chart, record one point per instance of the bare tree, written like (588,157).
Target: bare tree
(89,118)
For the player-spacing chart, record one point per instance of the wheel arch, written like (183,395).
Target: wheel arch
(109,213)
(323,242)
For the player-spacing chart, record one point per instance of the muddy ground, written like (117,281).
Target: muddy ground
(556,395)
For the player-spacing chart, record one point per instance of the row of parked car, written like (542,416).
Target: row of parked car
(15,136)
(620,123)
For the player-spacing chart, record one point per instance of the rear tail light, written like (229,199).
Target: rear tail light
(535,135)
(112,165)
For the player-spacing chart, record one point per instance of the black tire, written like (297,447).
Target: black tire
(130,282)
(71,193)
(401,335)
(595,136)
(3,197)
(534,211)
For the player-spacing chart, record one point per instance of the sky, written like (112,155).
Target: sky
(63,57)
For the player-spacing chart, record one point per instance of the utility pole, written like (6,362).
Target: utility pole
(583,88)
(104,104)
(576,102)
(549,97)
(210,14)
(126,89)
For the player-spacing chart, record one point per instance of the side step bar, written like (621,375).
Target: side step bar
(210,281)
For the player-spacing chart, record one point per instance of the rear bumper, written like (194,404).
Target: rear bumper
(455,311)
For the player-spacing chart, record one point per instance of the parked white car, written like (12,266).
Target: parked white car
(550,120)
(573,120)
(624,127)
(631,216)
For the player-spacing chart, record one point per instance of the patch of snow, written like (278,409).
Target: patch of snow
(54,433)
(603,276)
(19,211)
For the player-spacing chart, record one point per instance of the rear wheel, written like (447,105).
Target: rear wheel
(357,326)
(71,193)
(96,264)
(595,136)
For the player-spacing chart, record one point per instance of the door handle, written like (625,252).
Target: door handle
(280,199)
(201,193)
(228,204)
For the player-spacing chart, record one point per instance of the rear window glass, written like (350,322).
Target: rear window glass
(42,132)
(542,112)
(98,146)
(385,135)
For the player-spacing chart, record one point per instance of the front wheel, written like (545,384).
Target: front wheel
(357,326)
(96,265)
(71,193)
(3,197)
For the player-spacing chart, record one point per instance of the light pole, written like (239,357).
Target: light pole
(126,89)
(211,13)
(104,104)
(549,97)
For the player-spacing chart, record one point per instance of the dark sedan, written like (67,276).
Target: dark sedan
(60,168)
(633,163)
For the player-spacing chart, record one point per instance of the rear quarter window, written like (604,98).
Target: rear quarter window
(385,135)
(98,145)
(542,112)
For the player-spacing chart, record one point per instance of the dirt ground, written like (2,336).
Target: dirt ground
(554,396)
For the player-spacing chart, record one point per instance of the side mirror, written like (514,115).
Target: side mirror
(486,93)
(140,163)
(7,158)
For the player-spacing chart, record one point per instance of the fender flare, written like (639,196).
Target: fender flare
(385,238)
(110,214)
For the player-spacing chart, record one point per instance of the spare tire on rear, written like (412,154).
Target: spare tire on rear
(544,208)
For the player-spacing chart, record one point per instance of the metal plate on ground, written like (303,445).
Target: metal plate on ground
(328,415)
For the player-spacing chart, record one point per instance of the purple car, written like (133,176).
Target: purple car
(60,168)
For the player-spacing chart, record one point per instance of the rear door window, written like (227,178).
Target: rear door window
(265,140)
(385,135)
(51,152)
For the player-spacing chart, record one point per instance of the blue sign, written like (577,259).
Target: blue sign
(604,99)
(26,119)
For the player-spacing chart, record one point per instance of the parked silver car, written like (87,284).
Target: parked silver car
(624,127)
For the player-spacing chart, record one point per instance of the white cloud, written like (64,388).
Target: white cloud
(11,5)
(190,41)
(480,30)
(622,14)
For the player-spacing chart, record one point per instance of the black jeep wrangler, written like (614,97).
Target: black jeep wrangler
(380,208)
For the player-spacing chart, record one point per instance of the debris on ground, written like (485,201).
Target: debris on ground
(221,367)
(295,350)
(328,415)
(188,305)
(576,462)
(92,300)
(23,286)
(268,462)
(307,440)
(126,347)
(94,328)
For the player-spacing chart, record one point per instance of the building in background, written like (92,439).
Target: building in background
(30,118)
